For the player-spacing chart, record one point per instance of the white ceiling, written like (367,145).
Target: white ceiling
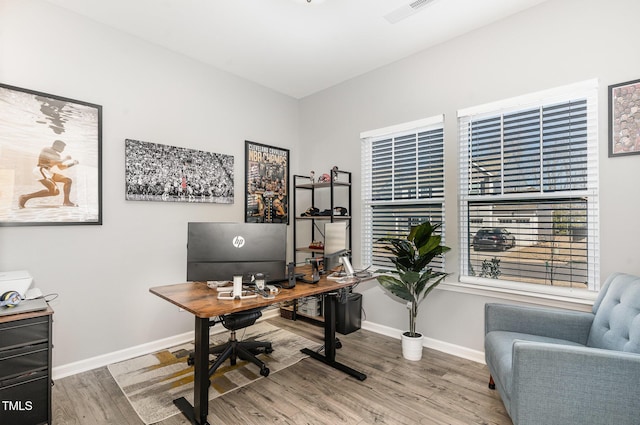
(293,46)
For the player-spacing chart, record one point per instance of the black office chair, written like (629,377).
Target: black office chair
(233,349)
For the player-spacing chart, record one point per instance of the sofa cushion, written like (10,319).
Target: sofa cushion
(499,349)
(616,325)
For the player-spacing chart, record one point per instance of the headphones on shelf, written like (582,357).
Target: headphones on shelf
(10,299)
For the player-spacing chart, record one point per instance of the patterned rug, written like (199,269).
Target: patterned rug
(151,382)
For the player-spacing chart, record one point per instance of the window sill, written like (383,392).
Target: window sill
(551,297)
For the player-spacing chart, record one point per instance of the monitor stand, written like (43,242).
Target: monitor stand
(349,273)
(237,293)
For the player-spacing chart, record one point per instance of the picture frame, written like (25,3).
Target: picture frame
(157,172)
(624,118)
(266,183)
(51,162)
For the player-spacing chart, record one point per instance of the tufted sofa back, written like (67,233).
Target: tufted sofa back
(616,325)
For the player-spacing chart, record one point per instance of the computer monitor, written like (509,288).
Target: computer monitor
(218,251)
(335,241)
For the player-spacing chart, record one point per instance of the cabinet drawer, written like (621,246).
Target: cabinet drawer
(19,361)
(24,332)
(26,402)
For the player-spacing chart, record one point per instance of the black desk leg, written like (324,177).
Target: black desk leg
(329,356)
(197,414)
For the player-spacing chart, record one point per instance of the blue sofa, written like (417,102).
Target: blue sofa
(555,366)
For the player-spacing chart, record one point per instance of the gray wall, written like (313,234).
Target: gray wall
(553,44)
(102,273)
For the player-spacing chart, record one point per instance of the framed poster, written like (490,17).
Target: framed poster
(155,172)
(50,159)
(624,118)
(266,184)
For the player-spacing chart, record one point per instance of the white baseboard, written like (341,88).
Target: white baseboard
(69,369)
(445,347)
(59,372)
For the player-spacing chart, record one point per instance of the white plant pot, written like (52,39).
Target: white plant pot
(412,347)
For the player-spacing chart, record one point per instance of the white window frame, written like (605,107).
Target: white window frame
(367,137)
(525,291)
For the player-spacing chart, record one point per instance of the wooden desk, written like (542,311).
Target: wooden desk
(202,302)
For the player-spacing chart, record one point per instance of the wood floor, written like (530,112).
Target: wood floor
(439,389)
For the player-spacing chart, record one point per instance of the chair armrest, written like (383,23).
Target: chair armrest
(553,323)
(560,384)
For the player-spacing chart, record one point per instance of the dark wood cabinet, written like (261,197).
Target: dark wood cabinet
(25,368)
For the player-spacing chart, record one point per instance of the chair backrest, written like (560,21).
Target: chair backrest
(616,325)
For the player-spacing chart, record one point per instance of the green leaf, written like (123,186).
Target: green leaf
(413,279)
(395,286)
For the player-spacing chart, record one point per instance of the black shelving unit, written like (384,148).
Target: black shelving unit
(307,193)
(339,189)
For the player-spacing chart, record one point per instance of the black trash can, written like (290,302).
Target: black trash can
(349,314)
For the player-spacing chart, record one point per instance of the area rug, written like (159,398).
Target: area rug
(151,382)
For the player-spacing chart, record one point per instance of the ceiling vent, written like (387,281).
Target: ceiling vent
(407,10)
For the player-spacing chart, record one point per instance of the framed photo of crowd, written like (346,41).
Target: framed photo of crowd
(165,173)
(266,183)
(51,161)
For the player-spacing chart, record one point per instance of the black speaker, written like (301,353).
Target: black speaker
(291,277)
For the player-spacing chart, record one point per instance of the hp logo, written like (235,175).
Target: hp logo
(238,242)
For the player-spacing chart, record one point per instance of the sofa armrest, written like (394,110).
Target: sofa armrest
(558,384)
(553,323)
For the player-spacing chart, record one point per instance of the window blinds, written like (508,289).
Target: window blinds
(529,165)
(403,183)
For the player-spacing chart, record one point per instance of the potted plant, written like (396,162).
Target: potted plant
(413,279)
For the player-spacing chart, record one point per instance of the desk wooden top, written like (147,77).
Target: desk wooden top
(202,301)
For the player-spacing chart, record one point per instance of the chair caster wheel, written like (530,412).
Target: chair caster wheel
(264,371)
(190,361)
(268,350)
(338,344)
(492,386)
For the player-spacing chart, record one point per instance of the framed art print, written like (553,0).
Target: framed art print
(156,172)
(50,159)
(624,118)
(266,183)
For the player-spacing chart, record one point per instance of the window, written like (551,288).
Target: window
(402,183)
(529,192)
